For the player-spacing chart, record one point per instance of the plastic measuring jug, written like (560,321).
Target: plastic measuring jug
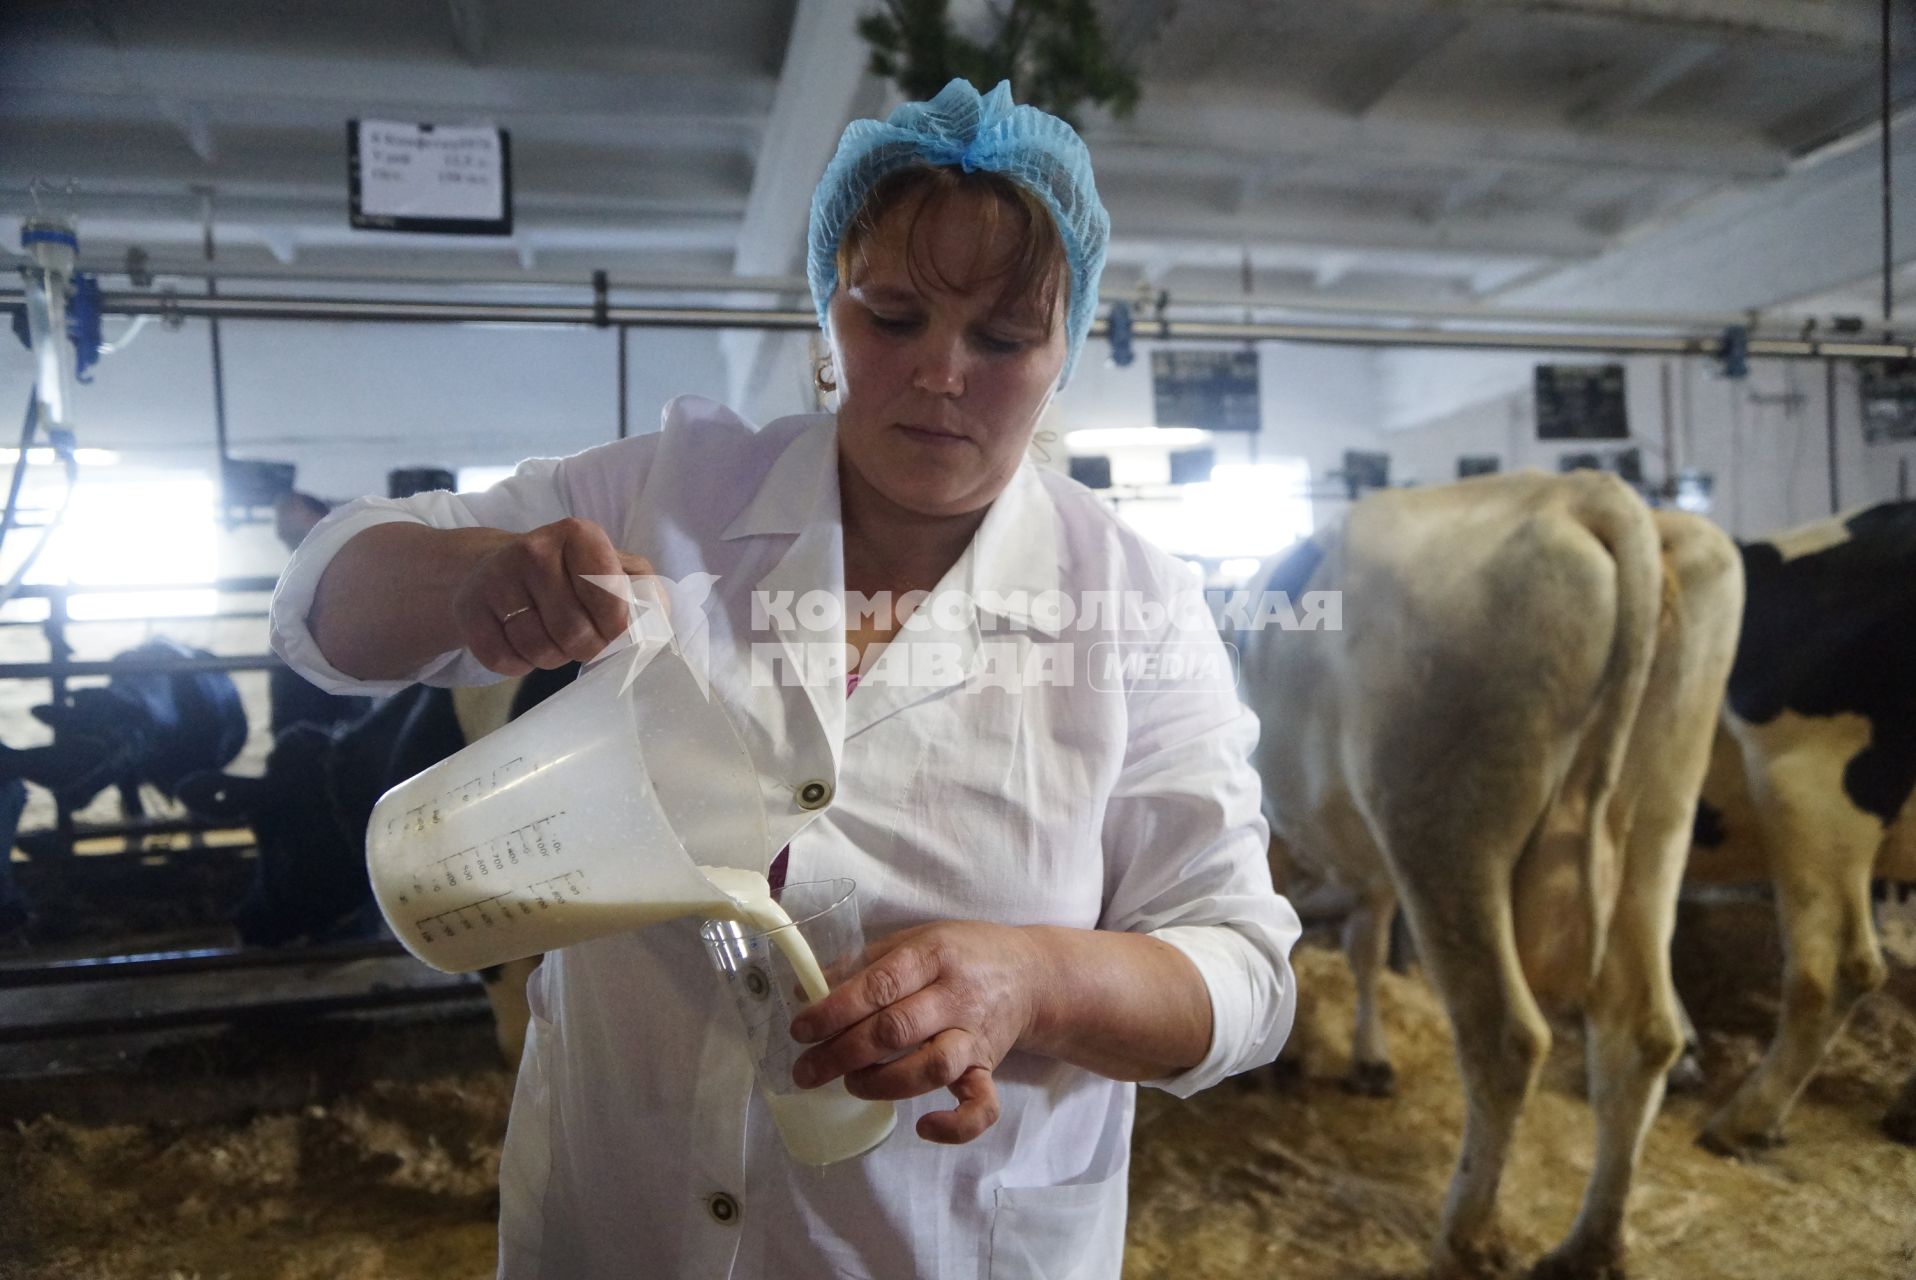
(588,815)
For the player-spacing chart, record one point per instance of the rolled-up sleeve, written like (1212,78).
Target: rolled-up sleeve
(534,495)
(1187,860)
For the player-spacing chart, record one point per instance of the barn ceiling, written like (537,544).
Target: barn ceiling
(1431,152)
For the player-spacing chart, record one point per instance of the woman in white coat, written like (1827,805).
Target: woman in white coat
(1055,833)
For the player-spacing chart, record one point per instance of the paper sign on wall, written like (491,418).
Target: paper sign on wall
(423,177)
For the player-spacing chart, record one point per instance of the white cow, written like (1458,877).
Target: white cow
(1507,737)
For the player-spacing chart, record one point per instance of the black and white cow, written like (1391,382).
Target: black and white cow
(1507,736)
(141,727)
(309,813)
(1812,780)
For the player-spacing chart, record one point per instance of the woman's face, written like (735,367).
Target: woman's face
(939,390)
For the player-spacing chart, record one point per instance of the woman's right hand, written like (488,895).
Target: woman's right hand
(527,601)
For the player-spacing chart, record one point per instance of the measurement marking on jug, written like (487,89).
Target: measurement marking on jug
(470,916)
(476,865)
(432,812)
(503,907)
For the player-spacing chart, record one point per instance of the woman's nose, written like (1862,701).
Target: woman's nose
(941,369)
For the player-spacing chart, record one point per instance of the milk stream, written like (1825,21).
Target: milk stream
(823,1125)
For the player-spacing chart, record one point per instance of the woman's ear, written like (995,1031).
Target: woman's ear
(824,372)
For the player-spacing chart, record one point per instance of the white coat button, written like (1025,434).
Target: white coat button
(815,794)
(723,1208)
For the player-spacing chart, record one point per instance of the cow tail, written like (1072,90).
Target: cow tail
(1627,530)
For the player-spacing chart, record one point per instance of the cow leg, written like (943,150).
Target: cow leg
(1633,1035)
(1464,933)
(1366,948)
(1686,1073)
(505,986)
(1822,857)
(1900,1123)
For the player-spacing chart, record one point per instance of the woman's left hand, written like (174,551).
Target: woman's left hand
(936,1007)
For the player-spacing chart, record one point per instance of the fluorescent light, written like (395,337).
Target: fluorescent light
(149,533)
(43,457)
(1245,511)
(1239,568)
(1136,437)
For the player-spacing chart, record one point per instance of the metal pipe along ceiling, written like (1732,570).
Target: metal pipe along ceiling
(585,315)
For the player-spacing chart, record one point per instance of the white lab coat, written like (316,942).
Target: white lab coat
(635,1117)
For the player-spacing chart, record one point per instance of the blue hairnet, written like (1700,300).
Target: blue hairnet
(961,129)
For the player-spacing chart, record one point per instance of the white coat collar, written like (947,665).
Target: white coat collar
(800,489)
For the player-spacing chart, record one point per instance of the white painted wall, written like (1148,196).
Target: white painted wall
(1765,437)
(348,402)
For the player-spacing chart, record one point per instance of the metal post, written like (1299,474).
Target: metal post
(213,330)
(1669,432)
(624,428)
(1829,423)
(1889,254)
(59,655)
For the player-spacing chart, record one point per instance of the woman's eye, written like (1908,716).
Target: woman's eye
(1001,345)
(893,324)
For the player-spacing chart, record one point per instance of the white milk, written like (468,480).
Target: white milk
(826,1124)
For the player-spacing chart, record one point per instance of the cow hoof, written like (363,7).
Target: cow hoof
(1734,1147)
(1578,1264)
(1900,1126)
(1686,1076)
(1371,1080)
(1487,1260)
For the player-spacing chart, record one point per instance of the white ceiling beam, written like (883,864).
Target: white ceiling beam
(823,72)
(1332,268)
(281,242)
(1365,82)
(1840,111)
(1844,26)
(191,120)
(471,28)
(1464,192)
(693,133)
(1272,125)
(1168,220)
(1628,87)
(1751,249)
(650,82)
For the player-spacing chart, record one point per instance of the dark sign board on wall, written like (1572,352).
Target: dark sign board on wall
(1889,400)
(1192,466)
(1093,471)
(1365,471)
(1478,464)
(1211,390)
(1627,464)
(1581,402)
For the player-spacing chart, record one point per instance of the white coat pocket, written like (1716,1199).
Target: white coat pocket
(1073,1232)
